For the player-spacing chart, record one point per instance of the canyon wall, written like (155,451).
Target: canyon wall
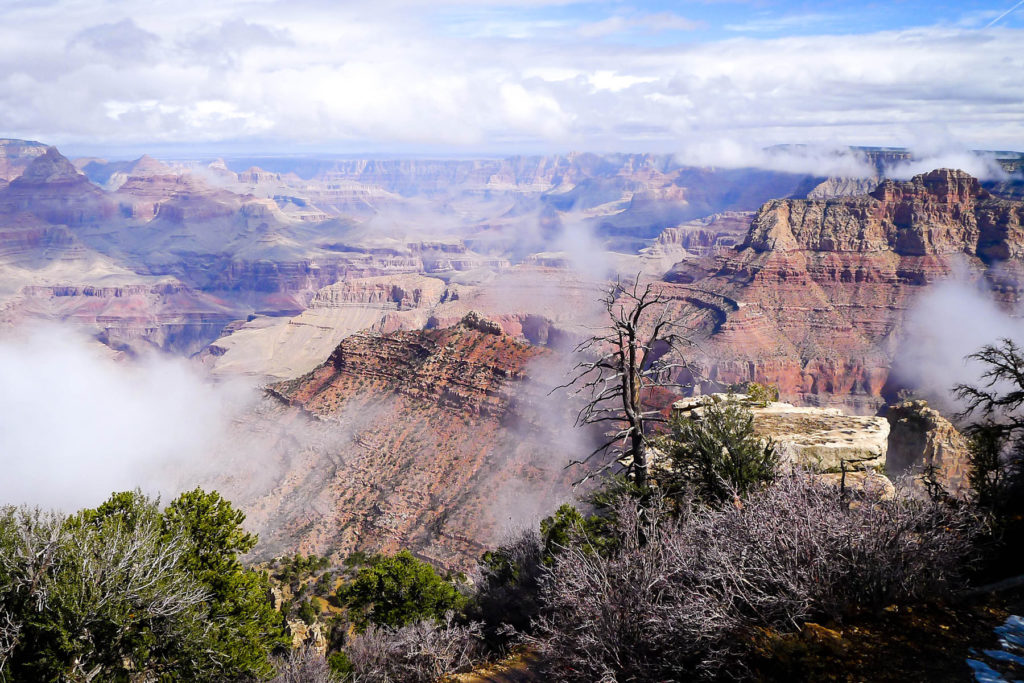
(435,440)
(814,298)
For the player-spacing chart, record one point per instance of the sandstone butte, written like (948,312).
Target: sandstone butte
(434,440)
(813,300)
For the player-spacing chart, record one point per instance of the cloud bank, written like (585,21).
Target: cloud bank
(76,425)
(431,75)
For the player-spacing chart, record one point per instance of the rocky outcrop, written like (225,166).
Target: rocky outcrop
(52,189)
(255,175)
(820,287)
(846,451)
(276,347)
(833,188)
(432,440)
(142,187)
(461,369)
(16,155)
(401,292)
(937,213)
(307,635)
(702,237)
(921,439)
(823,439)
(694,239)
(543,306)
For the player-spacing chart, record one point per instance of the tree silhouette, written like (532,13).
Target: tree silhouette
(627,358)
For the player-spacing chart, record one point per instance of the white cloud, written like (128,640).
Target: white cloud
(610,80)
(653,23)
(362,76)
(76,425)
(932,359)
(822,160)
(533,112)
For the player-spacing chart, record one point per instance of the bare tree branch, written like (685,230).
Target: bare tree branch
(627,364)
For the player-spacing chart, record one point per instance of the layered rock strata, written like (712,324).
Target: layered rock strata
(813,300)
(284,347)
(435,440)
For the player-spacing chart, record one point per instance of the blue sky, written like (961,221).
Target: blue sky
(674,22)
(711,21)
(710,80)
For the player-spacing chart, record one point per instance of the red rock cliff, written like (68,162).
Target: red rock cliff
(430,440)
(814,298)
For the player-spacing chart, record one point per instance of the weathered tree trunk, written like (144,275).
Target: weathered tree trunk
(620,374)
(639,447)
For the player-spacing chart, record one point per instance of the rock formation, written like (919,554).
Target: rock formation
(16,155)
(832,188)
(844,450)
(285,347)
(544,306)
(53,190)
(920,439)
(823,439)
(308,635)
(814,297)
(434,440)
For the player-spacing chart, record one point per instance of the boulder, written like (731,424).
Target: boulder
(921,438)
(304,634)
(822,439)
(869,482)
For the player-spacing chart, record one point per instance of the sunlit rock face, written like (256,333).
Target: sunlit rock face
(921,439)
(434,440)
(813,299)
(825,440)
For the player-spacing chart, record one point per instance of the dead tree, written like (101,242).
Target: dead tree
(630,356)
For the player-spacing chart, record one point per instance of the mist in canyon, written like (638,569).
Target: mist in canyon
(76,424)
(947,323)
(389,420)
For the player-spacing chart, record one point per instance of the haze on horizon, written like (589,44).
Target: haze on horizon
(709,80)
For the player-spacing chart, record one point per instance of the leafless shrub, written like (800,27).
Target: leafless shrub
(422,652)
(10,629)
(805,540)
(303,665)
(680,598)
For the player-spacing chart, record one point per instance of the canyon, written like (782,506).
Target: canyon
(814,298)
(438,441)
(408,319)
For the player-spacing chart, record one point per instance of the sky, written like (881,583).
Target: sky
(708,79)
